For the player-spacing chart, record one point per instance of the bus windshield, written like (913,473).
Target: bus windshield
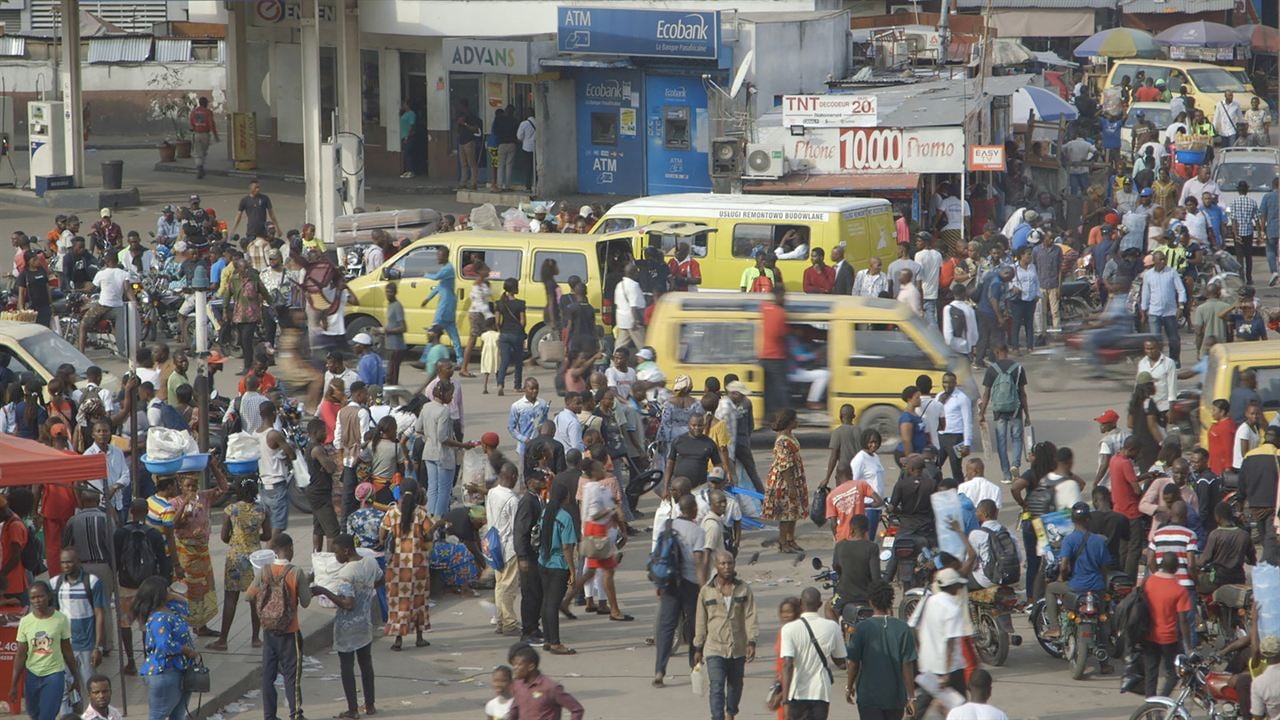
(1216,80)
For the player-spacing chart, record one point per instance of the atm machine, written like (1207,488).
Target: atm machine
(46,138)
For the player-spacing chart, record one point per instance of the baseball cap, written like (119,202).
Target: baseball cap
(168,208)
(715,475)
(1109,416)
(1030,215)
(585,211)
(645,354)
(1194,248)
(1144,378)
(1111,219)
(362,339)
(180,246)
(948,577)
(193,198)
(215,358)
(1080,511)
(105,212)
(1270,645)
(489,439)
(1145,192)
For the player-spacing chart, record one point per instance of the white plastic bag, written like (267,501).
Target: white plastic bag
(325,565)
(301,473)
(698,680)
(166,444)
(515,221)
(485,217)
(242,447)
(473,462)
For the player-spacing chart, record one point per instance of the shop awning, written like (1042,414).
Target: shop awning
(27,462)
(1055,22)
(597,63)
(799,183)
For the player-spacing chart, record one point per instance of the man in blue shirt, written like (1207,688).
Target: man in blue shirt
(1269,225)
(1111,135)
(369,366)
(1163,295)
(1217,218)
(991,312)
(1084,558)
(447,309)
(1020,238)
(82,598)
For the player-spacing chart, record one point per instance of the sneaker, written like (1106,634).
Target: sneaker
(1007,480)
(1274,279)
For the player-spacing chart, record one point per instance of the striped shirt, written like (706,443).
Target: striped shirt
(160,513)
(89,533)
(1179,540)
(1244,215)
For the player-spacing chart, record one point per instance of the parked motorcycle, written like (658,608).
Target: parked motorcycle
(1226,613)
(1184,417)
(1210,692)
(71,316)
(991,613)
(157,308)
(1079,300)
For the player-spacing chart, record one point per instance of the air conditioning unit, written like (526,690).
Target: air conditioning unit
(726,157)
(765,162)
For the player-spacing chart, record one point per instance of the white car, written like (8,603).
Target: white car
(1157,112)
(1257,166)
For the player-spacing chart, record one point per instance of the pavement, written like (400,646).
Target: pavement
(613,667)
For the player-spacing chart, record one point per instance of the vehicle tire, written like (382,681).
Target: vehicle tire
(908,607)
(992,641)
(884,420)
(536,337)
(1038,626)
(298,498)
(1078,653)
(364,324)
(1075,310)
(150,321)
(1158,711)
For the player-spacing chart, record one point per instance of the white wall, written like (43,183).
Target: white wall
(213,11)
(26,76)
(794,58)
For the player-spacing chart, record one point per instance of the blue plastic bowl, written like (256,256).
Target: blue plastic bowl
(162,467)
(195,462)
(1191,157)
(242,467)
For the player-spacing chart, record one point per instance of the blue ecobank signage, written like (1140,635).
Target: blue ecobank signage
(646,33)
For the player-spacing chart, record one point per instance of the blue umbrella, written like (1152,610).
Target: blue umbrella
(1201,34)
(1046,105)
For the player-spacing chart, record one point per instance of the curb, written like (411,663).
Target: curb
(445,189)
(208,705)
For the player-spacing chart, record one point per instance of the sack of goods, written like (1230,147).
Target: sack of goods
(165,444)
(325,565)
(242,447)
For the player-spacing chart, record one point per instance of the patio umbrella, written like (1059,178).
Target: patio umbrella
(1010,51)
(1046,104)
(1200,34)
(1118,43)
(1262,38)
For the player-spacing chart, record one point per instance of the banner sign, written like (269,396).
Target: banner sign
(838,111)
(645,33)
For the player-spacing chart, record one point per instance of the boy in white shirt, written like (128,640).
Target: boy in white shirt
(977,708)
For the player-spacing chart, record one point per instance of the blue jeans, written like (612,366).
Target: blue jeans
(1167,325)
(1191,616)
(931,311)
(1024,316)
(276,500)
(451,327)
(44,695)
(724,677)
(439,487)
(512,349)
(1272,242)
(873,522)
(1079,183)
(165,697)
(1033,559)
(1008,430)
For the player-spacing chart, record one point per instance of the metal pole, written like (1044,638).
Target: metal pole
(202,387)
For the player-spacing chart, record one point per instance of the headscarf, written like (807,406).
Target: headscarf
(683,383)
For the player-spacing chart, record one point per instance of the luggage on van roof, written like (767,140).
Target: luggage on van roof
(410,223)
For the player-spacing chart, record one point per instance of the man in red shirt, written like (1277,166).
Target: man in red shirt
(686,274)
(847,500)
(1148,92)
(819,277)
(1222,434)
(202,127)
(773,351)
(1168,604)
(1125,494)
(13,537)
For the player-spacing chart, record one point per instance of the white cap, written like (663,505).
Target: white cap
(585,211)
(180,246)
(105,212)
(645,354)
(362,339)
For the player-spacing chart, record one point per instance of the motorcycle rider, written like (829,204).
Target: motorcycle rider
(197,222)
(1084,559)
(113,284)
(107,229)
(910,500)
(135,258)
(167,227)
(78,267)
(857,562)
(1114,324)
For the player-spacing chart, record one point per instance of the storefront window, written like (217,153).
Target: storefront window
(328,88)
(370,94)
(604,128)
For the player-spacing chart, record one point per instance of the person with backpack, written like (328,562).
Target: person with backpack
(1004,391)
(960,323)
(1083,568)
(140,554)
(82,597)
(676,567)
(500,508)
(999,557)
(277,594)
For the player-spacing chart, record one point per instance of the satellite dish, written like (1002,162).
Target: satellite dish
(741,75)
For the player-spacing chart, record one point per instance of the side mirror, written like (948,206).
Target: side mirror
(390,273)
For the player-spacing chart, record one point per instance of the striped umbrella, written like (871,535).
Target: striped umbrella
(1119,43)
(1262,38)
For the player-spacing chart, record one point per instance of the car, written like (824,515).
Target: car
(35,352)
(1257,166)
(1160,115)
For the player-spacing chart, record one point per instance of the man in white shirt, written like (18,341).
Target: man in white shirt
(980,540)
(1227,116)
(629,304)
(1248,435)
(679,602)
(1196,222)
(500,512)
(526,135)
(955,433)
(978,708)
(1111,444)
(940,630)
(1197,186)
(335,368)
(810,645)
(113,289)
(930,261)
(960,322)
(976,487)
(908,293)
(1163,371)
(1078,153)
(568,426)
(116,484)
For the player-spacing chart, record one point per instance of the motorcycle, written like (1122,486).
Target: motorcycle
(71,317)
(1221,268)
(1212,692)
(294,426)
(917,562)
(852,613)
(1184,417)
(991,613)
(157,308)
(1085,627)
(353,262)
(1059,364)
(1079,300)
(1226,613)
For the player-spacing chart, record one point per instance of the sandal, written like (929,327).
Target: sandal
(370,710)
(422,642)
(397,646)
(561,650)
(568,615)
(217,646)
(348,715)
(621,618)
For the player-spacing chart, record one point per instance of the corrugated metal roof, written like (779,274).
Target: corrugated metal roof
(1039,4)
(131,49)
(173,51)
(1160,7)
(11,46)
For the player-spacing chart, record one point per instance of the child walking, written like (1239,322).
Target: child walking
(490,353)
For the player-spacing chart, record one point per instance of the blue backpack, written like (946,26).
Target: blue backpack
(491,546)
(664,562)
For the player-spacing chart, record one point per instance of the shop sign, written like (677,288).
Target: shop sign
(287,12)
(845,150)
(986,158)
(496,56)
(839,111)
(645,33)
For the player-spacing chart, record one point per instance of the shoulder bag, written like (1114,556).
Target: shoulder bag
(821,655)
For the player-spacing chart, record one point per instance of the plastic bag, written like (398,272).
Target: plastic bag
(473,473)
(241,447)
(325,565)
(698,680)
(166,444)
(301,473)
(515,221)
(1266,591)
(485,217)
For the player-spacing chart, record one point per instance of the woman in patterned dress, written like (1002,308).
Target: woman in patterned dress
(191,529)
(365,525)
(245,526)
(406,532)
(786,491)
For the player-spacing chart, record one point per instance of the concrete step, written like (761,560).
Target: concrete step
(499,199)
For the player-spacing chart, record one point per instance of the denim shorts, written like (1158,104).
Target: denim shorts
(276,500)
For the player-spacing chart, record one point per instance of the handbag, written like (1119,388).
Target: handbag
(773,698)
(550,349)
(818,506)
(195,679)
(597,547)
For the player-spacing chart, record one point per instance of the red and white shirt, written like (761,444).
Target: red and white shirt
(1179,540)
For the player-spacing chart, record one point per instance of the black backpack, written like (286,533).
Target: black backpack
(1001,565)
(959,322)
(1133,620)
(138,559)
(33,552)
(1040,500)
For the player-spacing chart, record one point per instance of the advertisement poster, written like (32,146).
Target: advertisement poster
(1050,529)
(627,122)
(946,507)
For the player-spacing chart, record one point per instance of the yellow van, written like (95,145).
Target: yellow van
(507,254)
(742,223)
(1205,83)
(873,347)
(1226,362)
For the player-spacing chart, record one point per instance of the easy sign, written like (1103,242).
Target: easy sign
(986,158)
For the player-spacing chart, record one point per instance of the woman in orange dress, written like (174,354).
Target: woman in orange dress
(786,491)
(406,533)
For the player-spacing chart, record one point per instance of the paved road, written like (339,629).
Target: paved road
(611,673)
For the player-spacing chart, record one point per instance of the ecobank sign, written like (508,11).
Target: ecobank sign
(493,56)
(647,33)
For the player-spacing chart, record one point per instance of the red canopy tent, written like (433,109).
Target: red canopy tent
(27,462)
